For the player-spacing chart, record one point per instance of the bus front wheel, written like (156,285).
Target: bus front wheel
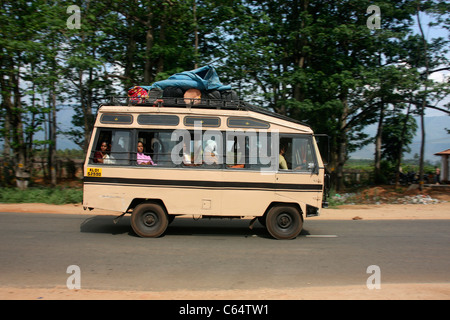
(284,222)
(149,220)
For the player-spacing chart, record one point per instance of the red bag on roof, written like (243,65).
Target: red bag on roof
(137,94)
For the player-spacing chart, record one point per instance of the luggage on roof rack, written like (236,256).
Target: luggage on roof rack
(202,104)
(200,88)
(203,78)
(176,102)
(139,96)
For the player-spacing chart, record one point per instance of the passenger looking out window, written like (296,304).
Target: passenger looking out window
(282,161)
(103,156)
(141,158)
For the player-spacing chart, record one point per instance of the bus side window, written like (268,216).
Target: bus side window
(160,147)
(157,145)
(285,157)
(251,151)
(97,157)
(120,147)
(235,153)
(298,154)
(303,155)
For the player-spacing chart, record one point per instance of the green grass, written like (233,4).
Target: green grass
(56,195)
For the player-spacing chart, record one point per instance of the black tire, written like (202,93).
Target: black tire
(149,220)
(284,222)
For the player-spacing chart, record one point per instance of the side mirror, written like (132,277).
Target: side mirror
(313,168)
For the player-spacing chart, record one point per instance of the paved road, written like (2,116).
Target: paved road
(36,250)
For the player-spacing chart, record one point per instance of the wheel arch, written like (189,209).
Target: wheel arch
(137,201)
(290,204)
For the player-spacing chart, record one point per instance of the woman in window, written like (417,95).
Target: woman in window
(103,155)
(141,158)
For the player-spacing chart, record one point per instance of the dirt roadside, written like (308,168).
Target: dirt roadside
(409,291)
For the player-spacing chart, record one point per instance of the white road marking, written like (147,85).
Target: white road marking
(321,236)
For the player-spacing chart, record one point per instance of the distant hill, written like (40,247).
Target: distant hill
(436,139)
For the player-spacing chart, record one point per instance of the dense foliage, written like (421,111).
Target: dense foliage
(335,65)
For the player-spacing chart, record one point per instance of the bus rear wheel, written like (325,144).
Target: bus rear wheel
(284,222)
(149,220)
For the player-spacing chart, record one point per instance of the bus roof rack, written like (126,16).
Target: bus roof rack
(199,104)
(177,102)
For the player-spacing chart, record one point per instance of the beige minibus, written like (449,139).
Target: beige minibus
(206,159)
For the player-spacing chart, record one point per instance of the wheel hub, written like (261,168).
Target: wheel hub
(149,219)
(284,220)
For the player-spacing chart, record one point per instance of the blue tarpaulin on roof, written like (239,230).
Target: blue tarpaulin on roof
(204,79)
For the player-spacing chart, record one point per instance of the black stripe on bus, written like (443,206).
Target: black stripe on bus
(205,184)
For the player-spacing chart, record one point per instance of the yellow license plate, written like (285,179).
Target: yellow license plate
(94,172)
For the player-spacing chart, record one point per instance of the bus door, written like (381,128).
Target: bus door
(298,173)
